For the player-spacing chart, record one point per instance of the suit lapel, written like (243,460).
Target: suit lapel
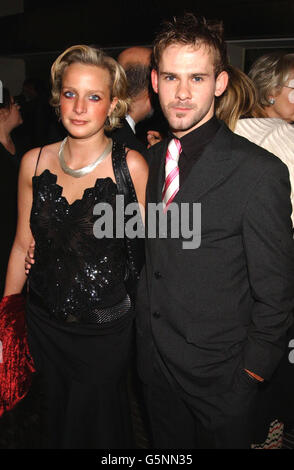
(156,173)
(210,169)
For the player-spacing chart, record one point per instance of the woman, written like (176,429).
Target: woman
(247,111)
(10,118)
(273,77)
(79,315)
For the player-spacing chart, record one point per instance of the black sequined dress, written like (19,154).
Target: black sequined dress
(80,319)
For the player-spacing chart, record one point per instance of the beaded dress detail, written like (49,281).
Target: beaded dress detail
(76,276)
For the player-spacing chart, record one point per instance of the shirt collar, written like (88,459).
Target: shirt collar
(195,140)
(131,123)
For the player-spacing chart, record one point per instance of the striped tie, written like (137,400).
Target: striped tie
(172,179)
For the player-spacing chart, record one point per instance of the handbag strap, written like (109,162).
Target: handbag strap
(135,246)
(121,172)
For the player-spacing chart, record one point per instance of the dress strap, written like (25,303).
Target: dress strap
(38,160)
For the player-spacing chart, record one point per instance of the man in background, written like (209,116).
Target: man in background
(136,63)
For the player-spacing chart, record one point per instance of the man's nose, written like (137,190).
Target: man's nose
(183,90)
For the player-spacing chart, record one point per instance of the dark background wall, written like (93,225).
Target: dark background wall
(54,25)
(35,37)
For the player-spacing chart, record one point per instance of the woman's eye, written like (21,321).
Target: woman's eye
(69,94)
(94,98)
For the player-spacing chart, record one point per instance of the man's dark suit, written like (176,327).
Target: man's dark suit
(126,136)
(211,311)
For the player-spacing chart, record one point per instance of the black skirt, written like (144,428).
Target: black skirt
(84,377)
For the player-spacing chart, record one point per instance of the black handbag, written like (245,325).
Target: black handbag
(135,247)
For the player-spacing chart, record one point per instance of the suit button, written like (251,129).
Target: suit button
(156,315)
(157,275)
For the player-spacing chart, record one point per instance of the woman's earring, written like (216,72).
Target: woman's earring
(271,101)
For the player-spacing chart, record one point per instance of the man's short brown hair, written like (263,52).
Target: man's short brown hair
(195,31)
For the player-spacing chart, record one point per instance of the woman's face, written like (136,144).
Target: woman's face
(85,99)
(13,117)
(283,107)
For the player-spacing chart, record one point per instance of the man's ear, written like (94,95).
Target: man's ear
(154,80)
(221,83)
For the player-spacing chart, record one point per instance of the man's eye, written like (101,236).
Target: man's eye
(94,97)
(169,78)
(69,94)
(197,79)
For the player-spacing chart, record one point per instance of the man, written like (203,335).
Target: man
(211,321)
(135,55)
(136,63)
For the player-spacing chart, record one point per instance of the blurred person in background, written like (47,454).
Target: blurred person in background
(145,113)
(267,101)
(273,77)
(41,125)
(136,64)
(10,119)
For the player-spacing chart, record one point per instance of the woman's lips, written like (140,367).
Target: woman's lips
(78,123)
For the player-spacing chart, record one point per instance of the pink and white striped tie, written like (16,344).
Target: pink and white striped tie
(172,179)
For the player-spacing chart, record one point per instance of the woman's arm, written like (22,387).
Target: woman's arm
(15,276)
(138,169)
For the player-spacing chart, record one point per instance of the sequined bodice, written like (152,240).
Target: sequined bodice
(74,271)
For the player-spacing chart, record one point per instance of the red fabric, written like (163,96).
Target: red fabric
(16,364)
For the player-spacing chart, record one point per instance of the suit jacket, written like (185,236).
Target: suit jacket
(227,304)
(125,135)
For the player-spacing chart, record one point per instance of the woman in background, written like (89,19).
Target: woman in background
(273,77)
(243,108)
(10,119)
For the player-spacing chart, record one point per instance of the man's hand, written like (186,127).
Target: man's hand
(153,137)
(29,260)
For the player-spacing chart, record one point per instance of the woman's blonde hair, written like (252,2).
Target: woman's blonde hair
(239,100)
(92,56)
(269,73)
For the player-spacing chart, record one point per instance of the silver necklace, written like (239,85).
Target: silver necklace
(86,169)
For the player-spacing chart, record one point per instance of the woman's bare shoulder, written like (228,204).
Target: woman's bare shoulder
(136,161)
(30,158)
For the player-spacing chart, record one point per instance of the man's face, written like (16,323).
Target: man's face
(186,85)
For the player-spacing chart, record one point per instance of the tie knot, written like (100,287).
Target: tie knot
(174,149)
